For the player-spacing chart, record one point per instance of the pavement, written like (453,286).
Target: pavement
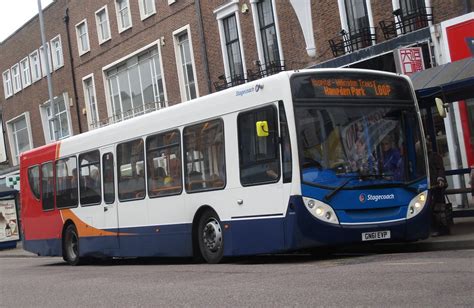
(461,237)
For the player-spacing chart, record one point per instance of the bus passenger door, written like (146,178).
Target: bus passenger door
(109,204)
(260,207)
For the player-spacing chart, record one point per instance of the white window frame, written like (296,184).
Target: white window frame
(45,119)
(80,48)
(89,110)
(25,72)
(109,103)
(16,78)
(12,134)
(35,64)
(179,65)
(144,15)
(98,25)
(258,35)
(57,52)
(222,13)
(43,60)
(343,16)
(120,26)
(7,83)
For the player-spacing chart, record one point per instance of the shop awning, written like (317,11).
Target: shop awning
(451,82)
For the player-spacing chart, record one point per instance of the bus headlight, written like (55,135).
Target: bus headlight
(417,204)
(321,210)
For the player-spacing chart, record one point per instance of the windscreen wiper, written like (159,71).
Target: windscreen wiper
(359,176)
(338,188)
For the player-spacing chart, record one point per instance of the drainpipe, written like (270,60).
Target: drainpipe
(73,75)
(203,45)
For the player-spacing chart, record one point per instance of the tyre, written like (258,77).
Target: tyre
(71,245)
(210,237)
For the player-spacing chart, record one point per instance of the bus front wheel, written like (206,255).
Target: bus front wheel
(71,245)
(211,237)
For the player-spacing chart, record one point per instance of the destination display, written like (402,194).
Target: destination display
(357,86)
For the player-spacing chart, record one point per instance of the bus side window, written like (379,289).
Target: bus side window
(90,187)
(258,155)
(163,154)
(130,169)
(205,159)
(108,177)
(47,186)
(66,182)
(34,181)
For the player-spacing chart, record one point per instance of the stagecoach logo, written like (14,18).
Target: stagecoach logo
(243,92)
(375,198)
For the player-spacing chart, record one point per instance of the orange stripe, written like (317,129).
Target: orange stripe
(83,228)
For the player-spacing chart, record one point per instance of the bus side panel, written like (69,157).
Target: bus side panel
(41,229)
(256,236)
(154,241)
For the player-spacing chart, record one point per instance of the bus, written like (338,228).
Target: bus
(294,161)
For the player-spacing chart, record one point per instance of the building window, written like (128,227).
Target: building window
(103,26)
(412,6)
(135,85)
(19,133)
(123,15)
(356,13)
(56,119)
(35,66)
(25,72)
(7,84)
(268,32)
(43,57)
(185,62)
(82,37)
(232,45)
(57,52)
(147,8)
(16,78)
(204,156)
(90,99)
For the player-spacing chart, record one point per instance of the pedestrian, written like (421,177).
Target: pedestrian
(441,211)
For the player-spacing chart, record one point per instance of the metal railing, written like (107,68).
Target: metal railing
(352,41)
(131,113)
(260,71)
(406,22)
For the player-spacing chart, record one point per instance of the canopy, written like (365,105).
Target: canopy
(451,82)
(6,191)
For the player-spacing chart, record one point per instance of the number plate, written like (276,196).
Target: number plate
(376,235)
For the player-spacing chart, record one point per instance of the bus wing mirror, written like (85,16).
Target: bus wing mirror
(441,107)
(262,128)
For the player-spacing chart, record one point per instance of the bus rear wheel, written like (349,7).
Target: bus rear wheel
(210,237)
(71,245)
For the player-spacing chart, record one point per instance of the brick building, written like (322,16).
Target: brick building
(116,59)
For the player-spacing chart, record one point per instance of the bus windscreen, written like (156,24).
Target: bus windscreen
(350,86)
